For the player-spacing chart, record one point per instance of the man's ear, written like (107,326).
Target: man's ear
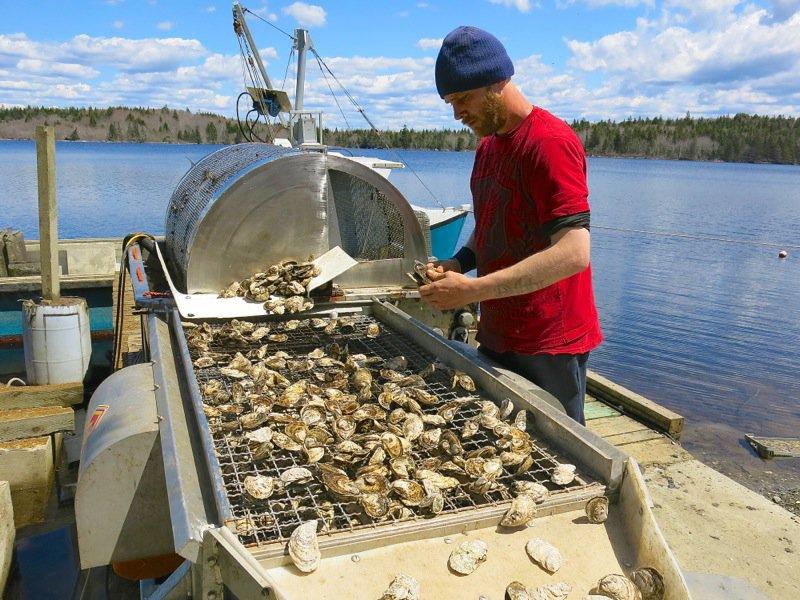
(499,86)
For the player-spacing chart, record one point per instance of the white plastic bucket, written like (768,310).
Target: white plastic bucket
(57,340)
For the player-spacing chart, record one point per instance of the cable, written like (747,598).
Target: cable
(335,99)
(691,236)
(289,35)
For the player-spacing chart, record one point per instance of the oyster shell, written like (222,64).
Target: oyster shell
(259,487)
(597,509)
(204,362)
(398,363)
(650,583)
(375,505)
(410,492)
(402,587)
(471,427)
(468,556)
(303,547)
(429,440)
(618,587)
(521,512)
(517,591)
(563,474)
(551,591)
(464,381)
(449,444)
(521,420)
(544,554)
(296,475)
(259,436)
(535,490)
(373,330)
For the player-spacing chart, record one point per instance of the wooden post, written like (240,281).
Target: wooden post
(48,212)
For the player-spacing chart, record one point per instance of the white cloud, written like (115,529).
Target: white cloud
(210,8)
(603,3)
(51,69)
(521,5)
(308,15)
(165,25)
(118,24)
(430,43)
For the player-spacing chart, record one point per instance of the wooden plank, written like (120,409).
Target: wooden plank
(770,447)
(615,425)
(598,411)
(31,422)
(7,532)
(48,212)
(32,396)
(654,414)
(623,439)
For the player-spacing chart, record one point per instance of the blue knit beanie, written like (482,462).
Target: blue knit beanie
(470,58)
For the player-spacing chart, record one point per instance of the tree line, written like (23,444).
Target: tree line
(739,138)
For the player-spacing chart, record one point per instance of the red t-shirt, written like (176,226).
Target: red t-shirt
(522,181)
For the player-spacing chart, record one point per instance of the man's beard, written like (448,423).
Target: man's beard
(493,116)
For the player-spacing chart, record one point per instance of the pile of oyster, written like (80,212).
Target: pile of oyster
(367,429)
(282,287)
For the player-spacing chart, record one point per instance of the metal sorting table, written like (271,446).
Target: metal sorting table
(273,520)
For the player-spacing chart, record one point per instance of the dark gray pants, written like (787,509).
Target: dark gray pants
(563,375)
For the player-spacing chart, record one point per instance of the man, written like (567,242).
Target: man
(531,238)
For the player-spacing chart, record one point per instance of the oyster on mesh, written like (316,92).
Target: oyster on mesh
(449,444)
(471,427)
(410,492)
(296,475)
(204,362)
(258,333)
(439,481)
(413,426)
(402,587)
(463,381)
(520,513)
(429,440)
(551,591)
(398,363)
(506,408)
(295,304)
(597,509)
(468,556)
(259,487)
(254,419)
(650,583)
(283,441)
(545,555)
(563,474)
(278,337)
(375,505)
(618,587)
(521,420)
(303,547)
(531,488)
(373,330)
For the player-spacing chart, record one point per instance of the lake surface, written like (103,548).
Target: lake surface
(709,328)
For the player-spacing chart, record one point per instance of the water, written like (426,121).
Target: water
(709,329)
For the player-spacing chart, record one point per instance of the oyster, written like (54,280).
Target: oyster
(304,548)
(259,487)
(563,474)
(339,485)
(545,555)
(618,587)
(258,333)
(464,381)
(283,441)
(429,440)
(373,330)
(278,337)
(240,363)
(204,362)
(296,475)
(375,505)
(235,373)
(402,587)
(468,556)
(551,591)
(470,428)
(449,444)
(650,583)
(410,492)
(506,408)
(521,512)
(398,363)
(535,490)
(521,420)
(413,426)
(597,509)
(295,304)
(439,481)
(517,591)
(254,419)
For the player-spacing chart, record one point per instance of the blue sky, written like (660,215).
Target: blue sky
(594,59)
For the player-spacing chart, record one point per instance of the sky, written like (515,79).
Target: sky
(580,59)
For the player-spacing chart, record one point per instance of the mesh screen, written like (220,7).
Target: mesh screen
(274,520)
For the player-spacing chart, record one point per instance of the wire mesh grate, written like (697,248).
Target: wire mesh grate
(274,519)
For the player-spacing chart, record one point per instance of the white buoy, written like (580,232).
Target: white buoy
(783,254)
(57,340)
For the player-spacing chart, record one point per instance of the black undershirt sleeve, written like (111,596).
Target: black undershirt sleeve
(580,219)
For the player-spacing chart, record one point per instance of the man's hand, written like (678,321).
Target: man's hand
(449,289)
(437,269)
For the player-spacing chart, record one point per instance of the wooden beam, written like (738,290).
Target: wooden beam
(33,396)
(648,411)
(30,422)
(48,212)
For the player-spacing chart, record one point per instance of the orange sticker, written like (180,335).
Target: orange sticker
(94,421)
